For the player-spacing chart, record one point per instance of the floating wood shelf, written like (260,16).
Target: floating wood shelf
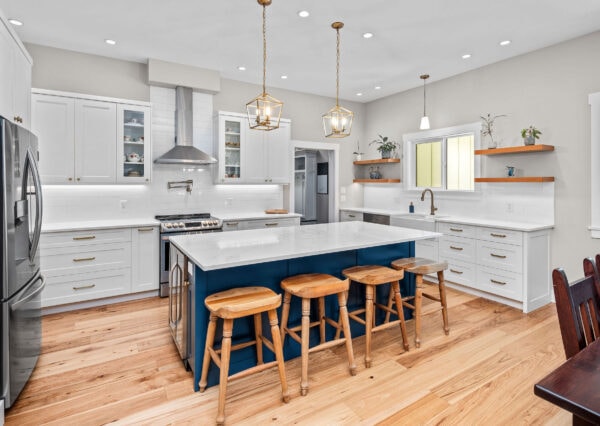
(377,161)
(514,149)
(517,179)
(376,180)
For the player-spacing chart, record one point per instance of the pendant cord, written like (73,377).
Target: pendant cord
(337,70)
(424,99)
(264,30)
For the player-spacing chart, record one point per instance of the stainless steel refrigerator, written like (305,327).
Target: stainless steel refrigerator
(22,282)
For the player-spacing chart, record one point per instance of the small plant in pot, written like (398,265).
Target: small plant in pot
(530,134)
(386,146)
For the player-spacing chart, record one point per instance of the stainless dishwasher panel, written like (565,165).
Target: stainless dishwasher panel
(382,219)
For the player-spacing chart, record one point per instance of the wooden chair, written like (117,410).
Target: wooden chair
(578,309)
(237,303)
(316,286)
(591,268)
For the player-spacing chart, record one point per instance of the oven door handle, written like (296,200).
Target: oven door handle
(17,305)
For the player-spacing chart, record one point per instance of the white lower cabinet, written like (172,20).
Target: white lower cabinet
(238,225)
(93,264)
(348,216)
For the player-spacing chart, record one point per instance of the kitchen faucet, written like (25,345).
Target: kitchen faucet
(433,208)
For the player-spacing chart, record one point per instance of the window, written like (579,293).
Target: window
(442,159)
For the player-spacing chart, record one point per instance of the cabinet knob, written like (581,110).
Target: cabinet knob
(70,179)
(17,119)
(147,180)
(78,179)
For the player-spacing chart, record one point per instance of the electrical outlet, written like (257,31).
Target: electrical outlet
(123,203)
(509,208)
(342,198)
(228,202)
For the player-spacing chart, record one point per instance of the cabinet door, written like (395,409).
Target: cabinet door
(145,259)
(254,159)
(278,153)
(95,135)
(230,145)
(22,88)
(52,120)
(134,153)
(7,46)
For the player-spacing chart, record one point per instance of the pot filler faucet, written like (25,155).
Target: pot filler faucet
(433,208)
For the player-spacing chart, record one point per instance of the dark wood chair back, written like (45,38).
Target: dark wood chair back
(578,308)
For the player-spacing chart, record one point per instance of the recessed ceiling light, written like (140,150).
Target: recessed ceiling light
(377,87)
(284,77)
(15,22)
(367,35)
(359,94)
(304,14)
(241,68)
(466,56)
(109,41)
(505,43)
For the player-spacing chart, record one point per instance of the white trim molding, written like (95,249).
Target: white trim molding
(594,100)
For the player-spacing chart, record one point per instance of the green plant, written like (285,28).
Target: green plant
(385,144)
(530,132)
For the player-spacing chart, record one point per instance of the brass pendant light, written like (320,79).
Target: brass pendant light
(264,111)
(337,122)
(424,120)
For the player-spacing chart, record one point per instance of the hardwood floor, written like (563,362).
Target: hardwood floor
(118,364)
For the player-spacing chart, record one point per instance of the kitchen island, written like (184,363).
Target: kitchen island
(264,257)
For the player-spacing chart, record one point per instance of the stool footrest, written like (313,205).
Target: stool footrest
(385,325)
(251,370)
(326,345)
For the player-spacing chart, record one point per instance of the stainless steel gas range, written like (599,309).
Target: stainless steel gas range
(179,224)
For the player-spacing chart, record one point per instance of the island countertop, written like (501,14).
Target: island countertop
(221,250)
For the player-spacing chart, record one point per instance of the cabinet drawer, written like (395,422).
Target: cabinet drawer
(84,238)
(460,273)
(500,235)
(234,225)
(86,286)
(502,283)
(71,260)
(502,256)
(462,249)
(271,223)
(347,216)
(457,229)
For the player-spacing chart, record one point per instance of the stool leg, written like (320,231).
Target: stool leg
(225,357)
(368,323)
(389,305)
(210,339)
(258,337)
(398,298)
(285,313)
(442,287)
(346,325)
(339,330)
(305,342)
(322,319)
(278,354)
(417,312)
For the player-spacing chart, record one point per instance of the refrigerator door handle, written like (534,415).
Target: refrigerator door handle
(17,305)
(31,165)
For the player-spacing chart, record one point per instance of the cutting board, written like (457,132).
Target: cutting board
(276,211)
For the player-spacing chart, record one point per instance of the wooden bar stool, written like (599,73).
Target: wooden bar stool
(372,276)
(237,303)
(421,266)
(312,286)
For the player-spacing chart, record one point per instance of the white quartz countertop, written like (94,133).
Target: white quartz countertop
(253,215)
(237,248)
(98,224)
(374,211)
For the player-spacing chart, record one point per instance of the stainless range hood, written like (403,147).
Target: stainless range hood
(184,151)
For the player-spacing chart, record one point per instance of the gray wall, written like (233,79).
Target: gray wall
(547,88)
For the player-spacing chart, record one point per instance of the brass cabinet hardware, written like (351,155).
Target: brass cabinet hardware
(148,229)
(497,282)
(456,248)
(83,287)
(499,256)
(351,215)
(84,259)
(232,223)
(70,179)
(497,235)
(87,237)
(456,271)
(456,229)
(271,224)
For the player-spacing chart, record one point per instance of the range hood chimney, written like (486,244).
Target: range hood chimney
(184,151)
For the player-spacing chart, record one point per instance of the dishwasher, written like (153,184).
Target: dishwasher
(382,219)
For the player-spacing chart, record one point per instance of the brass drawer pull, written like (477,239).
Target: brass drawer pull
(456,248)
(83,287)
(497,235)
(271,224)
(88,237)
(232,223)
(456,229)
(499,256)
(497,282)
(84,259)
(351,215)
(148,229)
(456,271)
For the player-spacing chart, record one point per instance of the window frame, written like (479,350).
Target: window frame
(411,140)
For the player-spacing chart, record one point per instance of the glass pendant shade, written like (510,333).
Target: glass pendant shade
(424,123)
(264,112)
(337,122)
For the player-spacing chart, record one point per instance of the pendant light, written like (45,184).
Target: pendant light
(424,120)
(337,122)
(264,111)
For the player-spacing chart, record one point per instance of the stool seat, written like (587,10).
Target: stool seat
(314,285)
(420,266)
(241,302)
(373,274)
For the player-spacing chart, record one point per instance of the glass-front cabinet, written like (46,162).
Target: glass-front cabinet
(134,154)
(230,146)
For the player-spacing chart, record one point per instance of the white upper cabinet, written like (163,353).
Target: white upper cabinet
(15,77)
(134,154)
(229,145)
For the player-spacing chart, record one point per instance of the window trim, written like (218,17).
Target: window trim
(410,140)
(594,101)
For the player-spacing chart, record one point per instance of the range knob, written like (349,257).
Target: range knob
(168,225)
(181,225)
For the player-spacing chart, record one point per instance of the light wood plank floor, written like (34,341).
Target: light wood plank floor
(118,364)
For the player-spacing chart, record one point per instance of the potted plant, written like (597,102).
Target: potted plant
(386,146)
(487,128)
(530,134)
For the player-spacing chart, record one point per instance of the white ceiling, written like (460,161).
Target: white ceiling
(410,37)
